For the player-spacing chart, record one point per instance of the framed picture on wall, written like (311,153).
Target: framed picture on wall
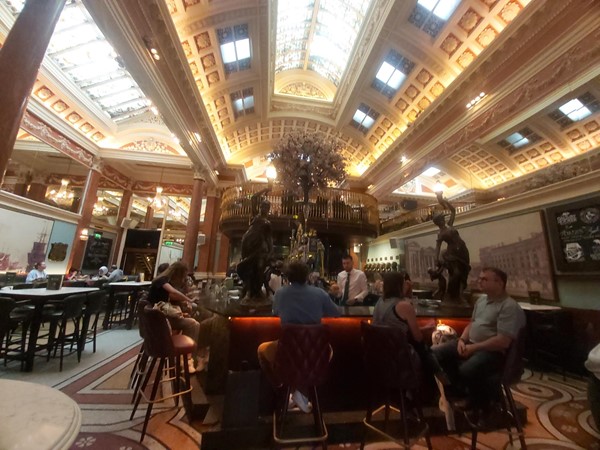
(514,244)
(574,232)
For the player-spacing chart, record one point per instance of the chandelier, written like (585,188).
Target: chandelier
(99,207)
(158,201)
(64,196)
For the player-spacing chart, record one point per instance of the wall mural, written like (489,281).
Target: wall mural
(516,245)
(24,240)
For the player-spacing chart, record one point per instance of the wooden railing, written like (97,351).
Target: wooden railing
(324,205)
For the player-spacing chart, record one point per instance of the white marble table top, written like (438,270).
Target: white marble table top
(35,416)
(530,307)
(40,293)
(131,283)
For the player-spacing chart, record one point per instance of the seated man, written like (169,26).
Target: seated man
(37,274)
(479,353)
(297,303)
(115,274)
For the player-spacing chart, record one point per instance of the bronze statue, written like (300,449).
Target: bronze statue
(257,249)
(455,259)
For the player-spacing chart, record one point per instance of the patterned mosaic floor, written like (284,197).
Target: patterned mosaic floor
(558,412)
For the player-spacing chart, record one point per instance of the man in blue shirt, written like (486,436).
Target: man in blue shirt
(297,303)
(38,273)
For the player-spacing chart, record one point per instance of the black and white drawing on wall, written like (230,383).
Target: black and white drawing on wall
(574,231)
(516,245)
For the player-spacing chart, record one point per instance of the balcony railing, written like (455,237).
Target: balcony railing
(418,216)
(329,205)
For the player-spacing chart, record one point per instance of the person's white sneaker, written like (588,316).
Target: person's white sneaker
(301,401)
(191,366)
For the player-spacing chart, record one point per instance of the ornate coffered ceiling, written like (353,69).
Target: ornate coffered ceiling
(529,57)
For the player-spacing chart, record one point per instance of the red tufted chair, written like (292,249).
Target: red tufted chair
(168,351)
(302,362)
(394,376)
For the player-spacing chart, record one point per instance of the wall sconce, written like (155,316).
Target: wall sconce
(85,234)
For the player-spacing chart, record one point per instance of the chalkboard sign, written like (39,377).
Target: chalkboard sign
(574,231)
(97,253)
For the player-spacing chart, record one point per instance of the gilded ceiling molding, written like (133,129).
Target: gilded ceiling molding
(215,20)
(45,133)
(149,187)
(116,177)
(576,60)
(303,89)
(74,180)
(150,145)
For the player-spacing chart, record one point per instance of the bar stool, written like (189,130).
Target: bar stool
(394,374)
(11,318)
(89,327)
(301,362)
(71,312)
(139,366)
(168,351)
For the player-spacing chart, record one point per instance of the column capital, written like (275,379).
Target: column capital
(200,173)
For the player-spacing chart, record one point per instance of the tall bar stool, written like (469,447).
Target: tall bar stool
(394,376)
(508,415)
(71,313)
(11,318)
(93,307)
(139,366)
(168,351)
(301,362)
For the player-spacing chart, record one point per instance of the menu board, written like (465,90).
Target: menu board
(97,253)
(574,231)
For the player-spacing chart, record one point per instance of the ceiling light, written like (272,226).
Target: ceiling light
(64,196)
(271,173)
(476,100)
(438,187)
(158,201)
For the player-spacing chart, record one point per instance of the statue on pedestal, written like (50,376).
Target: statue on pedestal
(455,258)
(257,253)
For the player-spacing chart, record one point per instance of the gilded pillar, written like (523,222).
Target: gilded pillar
(20,59)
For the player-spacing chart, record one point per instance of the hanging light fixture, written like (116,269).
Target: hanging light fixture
(99,207)
(64,196)
(158,201)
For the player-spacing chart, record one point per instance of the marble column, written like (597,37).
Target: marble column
(90,196)
(190,244)
(20,59)
(204,264)
(124,209)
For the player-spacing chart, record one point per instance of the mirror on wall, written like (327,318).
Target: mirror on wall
(43,174)
(108,202)
(173,210)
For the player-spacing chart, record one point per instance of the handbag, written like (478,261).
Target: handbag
(169,310)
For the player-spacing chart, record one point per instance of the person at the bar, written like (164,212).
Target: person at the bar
(297,303)
(479,353)
(166,288)
(37,274)
(115,274)
(395,309)
(352,282)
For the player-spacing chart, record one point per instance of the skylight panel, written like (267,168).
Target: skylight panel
(364,118)
(243,102)
(322,35)
(234,43)
(575,110)
(441,8)
(519,139)
(392,73)
(81,51)
(431,172)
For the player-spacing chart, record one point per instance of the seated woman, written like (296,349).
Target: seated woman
(166,288)
(396,310)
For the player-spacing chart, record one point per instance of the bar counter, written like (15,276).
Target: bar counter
(237,332)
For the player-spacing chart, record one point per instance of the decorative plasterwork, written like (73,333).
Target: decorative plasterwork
(150,145)
(168,188)
(303,89)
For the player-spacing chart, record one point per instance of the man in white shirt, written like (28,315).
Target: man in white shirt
(352,282)
(38,273)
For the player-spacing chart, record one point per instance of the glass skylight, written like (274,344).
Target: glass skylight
(517,140)
(432,171)
(390,76)
(441,8)
(243,102)
(575,110)
(318,35)
(80,50)
(235,51)
(234,43)
(392,73)
(364,118)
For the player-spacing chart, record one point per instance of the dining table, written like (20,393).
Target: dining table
(39,297)
(36,416)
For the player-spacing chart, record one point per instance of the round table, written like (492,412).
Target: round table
(36,416)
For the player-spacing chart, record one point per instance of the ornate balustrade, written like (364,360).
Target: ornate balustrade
(354,212)
(420,215)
